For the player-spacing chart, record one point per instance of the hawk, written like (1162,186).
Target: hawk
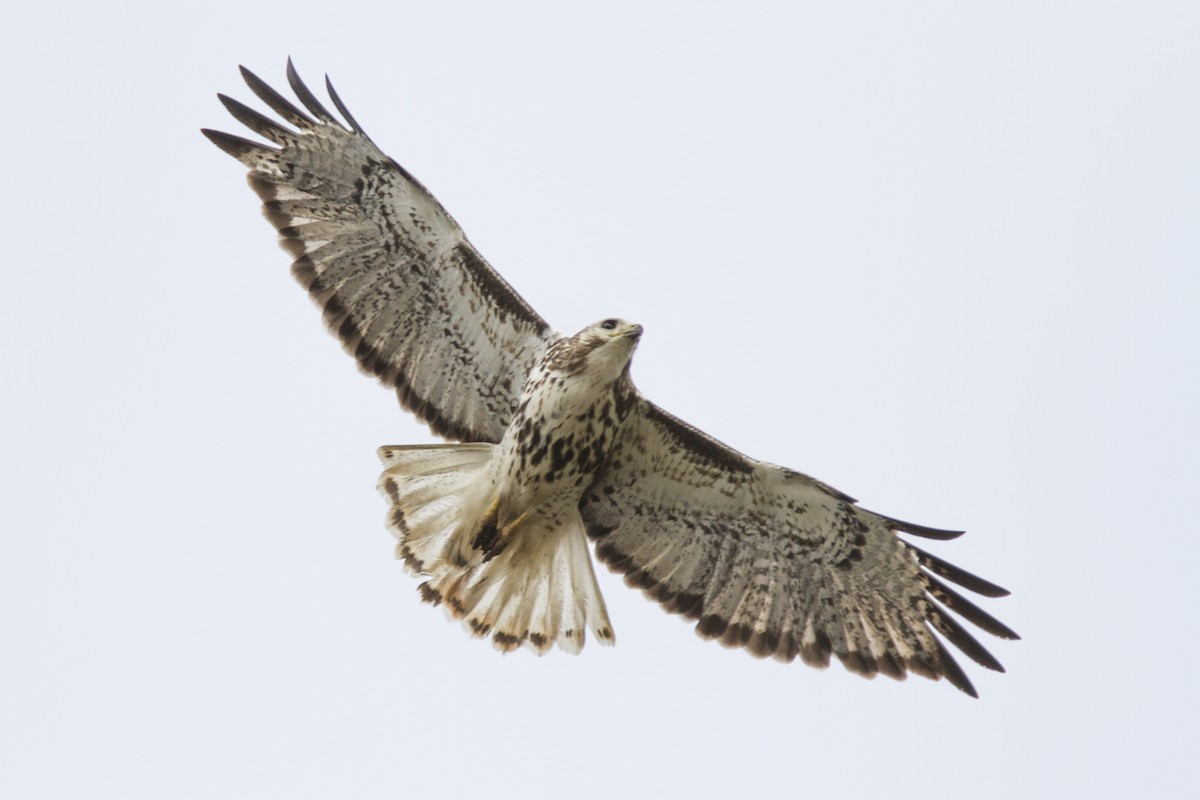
(553,445)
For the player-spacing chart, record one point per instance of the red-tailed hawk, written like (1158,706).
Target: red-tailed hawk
(556,445)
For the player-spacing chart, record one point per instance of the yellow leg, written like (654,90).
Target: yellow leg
(512,526)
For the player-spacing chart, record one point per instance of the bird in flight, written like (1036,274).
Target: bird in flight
(550,444)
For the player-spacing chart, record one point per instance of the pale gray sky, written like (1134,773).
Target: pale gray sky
(941,256)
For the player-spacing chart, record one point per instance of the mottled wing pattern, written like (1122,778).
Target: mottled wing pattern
(398,282)
(774,561)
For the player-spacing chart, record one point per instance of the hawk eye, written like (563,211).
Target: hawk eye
(609,324)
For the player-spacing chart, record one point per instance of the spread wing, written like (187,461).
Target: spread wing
(398,282)
(774,561)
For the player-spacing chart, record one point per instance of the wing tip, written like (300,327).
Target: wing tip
(952,671)
(235,146)
(924,531)
(345,112)
(306,96)
(958,575)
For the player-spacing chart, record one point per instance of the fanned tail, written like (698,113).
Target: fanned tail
(429,489)
(538,589)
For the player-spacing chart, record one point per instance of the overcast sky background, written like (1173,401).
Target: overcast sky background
(941,256)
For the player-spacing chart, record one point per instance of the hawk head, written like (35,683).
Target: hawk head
(601,350)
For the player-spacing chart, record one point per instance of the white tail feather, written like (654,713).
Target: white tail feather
(426,486)
(538,590)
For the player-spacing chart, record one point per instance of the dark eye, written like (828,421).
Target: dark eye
(609,324)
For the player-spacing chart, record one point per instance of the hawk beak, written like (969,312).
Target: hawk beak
(634,332)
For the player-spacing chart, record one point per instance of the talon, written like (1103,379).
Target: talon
(487,537)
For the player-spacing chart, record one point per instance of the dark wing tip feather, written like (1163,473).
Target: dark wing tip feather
(278,103)
(956,574)
(967,610)
(921,530)
(306,96)
(235,146)
(262,125)
(953,672)
(958,636)
(337,101)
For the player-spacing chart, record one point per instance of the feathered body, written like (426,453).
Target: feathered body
(555,445)
(508,552)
